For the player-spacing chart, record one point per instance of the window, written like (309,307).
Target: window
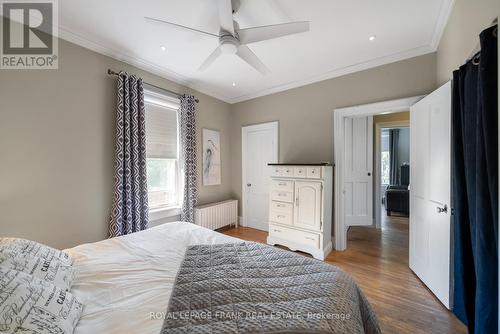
(162,150)
(386,168)
(385,156)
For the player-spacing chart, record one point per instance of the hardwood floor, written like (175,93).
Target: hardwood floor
(378,261)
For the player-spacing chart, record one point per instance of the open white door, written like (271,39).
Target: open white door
(259,147)
(430,170)
(358,165)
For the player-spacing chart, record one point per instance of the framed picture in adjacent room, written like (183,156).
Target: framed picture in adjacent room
(211,157)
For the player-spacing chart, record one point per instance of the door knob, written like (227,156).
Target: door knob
(369,174)
(444,209)
(249,184)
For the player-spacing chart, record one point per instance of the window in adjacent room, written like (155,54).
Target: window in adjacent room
(386,158)
(162,150)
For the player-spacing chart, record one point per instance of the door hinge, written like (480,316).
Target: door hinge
(320,225)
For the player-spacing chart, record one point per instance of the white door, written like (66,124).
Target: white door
(307,212)
(358,165)
(430,170)
(259,147)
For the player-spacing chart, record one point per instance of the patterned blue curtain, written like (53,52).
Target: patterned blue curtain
(130,199)
(188,156)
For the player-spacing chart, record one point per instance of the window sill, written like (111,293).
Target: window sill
(161,213)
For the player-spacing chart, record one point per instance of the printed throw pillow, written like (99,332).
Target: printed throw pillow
(50,269)
(30,305)
(18,246)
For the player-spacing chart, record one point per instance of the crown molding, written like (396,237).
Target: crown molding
(75,38)
(444,14)
(165,73)
(384,60)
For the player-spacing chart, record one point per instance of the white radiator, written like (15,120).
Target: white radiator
(217,215)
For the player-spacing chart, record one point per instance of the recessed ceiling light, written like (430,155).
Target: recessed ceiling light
(163,48)
(372,37)
(234,84)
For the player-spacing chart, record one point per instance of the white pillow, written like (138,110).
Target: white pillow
(18,246)
(50,269)
(30,305)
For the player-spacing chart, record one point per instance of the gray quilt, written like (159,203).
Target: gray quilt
(253,288)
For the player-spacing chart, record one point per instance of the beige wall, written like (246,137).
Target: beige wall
(57,128)
(305,113)
(461,35)
(57,147)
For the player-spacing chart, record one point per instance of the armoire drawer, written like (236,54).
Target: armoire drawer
(281,217)
(282,185)
(281,207)
(282,196)
(287,171)
(314,172)
(300,172)
(276,171)
(290,234)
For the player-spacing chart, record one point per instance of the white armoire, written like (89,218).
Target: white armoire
(300,208)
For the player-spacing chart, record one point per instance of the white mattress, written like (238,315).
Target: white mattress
(123,280)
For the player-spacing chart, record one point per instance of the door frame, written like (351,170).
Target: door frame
(274,126)
(338,116)
(378,167)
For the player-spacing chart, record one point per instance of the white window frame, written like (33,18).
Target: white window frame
(152,96)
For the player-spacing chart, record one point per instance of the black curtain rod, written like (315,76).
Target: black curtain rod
(111,72)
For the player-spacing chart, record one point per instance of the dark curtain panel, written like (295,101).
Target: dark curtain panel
(129,211)
(394,156)
(188,158)
(475,188)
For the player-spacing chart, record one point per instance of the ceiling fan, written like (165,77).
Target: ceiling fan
(233,40)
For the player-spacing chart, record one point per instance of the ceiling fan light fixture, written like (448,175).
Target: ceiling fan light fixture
(228,47)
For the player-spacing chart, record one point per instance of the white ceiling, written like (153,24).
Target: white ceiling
(336,44)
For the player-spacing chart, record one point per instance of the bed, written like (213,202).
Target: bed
(122,280)
(126,283)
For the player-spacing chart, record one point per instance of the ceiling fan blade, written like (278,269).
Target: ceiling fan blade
(248,56)
(209,61)
(257,34)
(226,15)
(180,26)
